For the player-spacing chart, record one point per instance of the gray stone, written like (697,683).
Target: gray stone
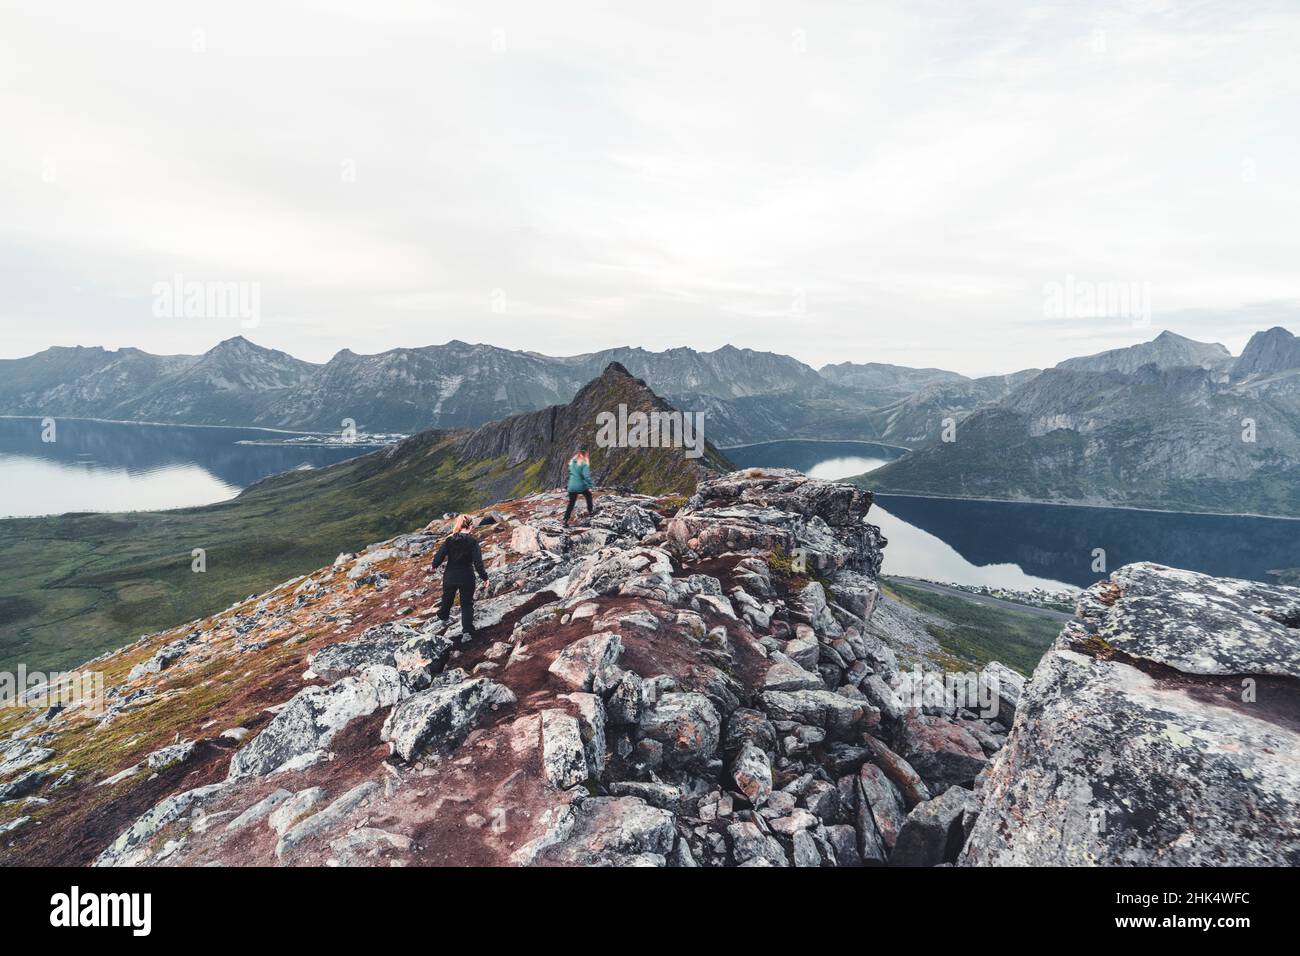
(591,722)
(311,719)
(839,716)
(749,844)
(880,805)
(604,831)
(439,718)
(932,833)
(134,844)
(752,774)
(563,759)
(590,663)
(1003,686)
(332,815)
(170,756)
(258,811)
(1158,730)
(625,700)
(686,724)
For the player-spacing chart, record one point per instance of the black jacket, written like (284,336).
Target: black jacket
(463,557)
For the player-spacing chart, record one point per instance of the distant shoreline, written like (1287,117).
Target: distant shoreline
(122,421)
(827,441)
(1070,504)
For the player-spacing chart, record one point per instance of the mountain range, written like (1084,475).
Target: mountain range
(747,396)
(1216,435)
(1171,423)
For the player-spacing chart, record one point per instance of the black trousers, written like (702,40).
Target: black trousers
(466,591)
(573,499)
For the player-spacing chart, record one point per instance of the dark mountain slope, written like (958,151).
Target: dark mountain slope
(534,448)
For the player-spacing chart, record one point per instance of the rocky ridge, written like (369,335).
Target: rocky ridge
(684,685)
(681,684)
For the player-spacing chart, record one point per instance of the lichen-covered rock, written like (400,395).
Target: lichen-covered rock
(1003,686)
(590,663)
(686,724)
(134,845)
(880,805)
(564,760)
(1159,729)
(591,726)
(836,714)
(625,701)
(943,752)
(750,846)
(416,654)
(605,831)
(752,774)
(311,719)
(440,717)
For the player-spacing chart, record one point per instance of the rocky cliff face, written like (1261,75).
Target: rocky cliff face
(1162,728)
(667,684)
(1173,438)
(1268,353)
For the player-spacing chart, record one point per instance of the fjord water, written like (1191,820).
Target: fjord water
(1023,545)
(121,466)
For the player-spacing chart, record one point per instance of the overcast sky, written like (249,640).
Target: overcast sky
(899,182)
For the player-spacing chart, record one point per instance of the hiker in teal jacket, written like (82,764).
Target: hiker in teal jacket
(580,483)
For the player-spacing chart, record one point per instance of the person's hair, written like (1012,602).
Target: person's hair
(460,524)
(580,455)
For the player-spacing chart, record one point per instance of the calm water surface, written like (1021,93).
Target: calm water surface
(118,466)
(1010,544)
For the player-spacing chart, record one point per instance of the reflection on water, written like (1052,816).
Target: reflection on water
(832,469)
(1017,545)
(115,466)
(916,553)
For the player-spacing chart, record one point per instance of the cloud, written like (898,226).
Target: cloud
(875,182)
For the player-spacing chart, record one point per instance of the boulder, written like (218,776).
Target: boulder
(1159,729)
(312,717)
(590,663)
(604,831)
(838,715)
(563,759)
(932,833)
(686,724)
(1003,687)
(880,805)
(745,727)
(909,783)
(943,752)
(750,845)
(785,674)
(135,844)
(439,718)
(625,700)
(591,724)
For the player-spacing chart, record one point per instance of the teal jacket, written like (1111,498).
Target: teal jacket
(579,477)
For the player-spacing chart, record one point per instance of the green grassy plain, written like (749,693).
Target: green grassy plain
(73,586)
(977,633)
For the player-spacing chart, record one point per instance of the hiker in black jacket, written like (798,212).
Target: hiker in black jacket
(461,552)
